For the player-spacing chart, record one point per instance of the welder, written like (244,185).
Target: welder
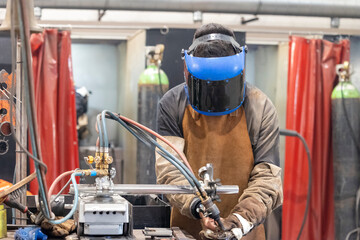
(216,117)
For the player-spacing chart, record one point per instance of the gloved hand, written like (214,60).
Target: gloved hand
(58,230)
(237,225)
(231,222)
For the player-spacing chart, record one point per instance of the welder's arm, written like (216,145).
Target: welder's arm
(264,192)
(166,173)
(261,197)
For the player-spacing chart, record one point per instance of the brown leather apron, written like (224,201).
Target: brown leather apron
(223,141)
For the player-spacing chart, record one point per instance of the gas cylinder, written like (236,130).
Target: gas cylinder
(3,226)
(345,103)
(152,84)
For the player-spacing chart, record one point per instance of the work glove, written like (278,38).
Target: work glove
(237,225)
(58,230)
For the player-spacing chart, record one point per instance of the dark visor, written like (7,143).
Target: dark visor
(216,98)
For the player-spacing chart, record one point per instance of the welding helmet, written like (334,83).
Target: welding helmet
(215,85)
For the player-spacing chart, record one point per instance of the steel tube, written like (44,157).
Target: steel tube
(319,8)
(126,189)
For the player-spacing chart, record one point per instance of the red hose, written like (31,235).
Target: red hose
(181,154)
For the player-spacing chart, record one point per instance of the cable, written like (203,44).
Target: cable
(63,189)
(51,189)
(357,229)
(292,133)
(158,136)
(165,154)
(76,196)
(352,133)
(176,162)
(147,142)
(121,121)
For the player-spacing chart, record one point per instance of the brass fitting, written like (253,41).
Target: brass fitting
(109,160)
(89,159)
(97,159)
(99,172)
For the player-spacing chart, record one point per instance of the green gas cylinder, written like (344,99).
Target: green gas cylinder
(345,103)
(152,85)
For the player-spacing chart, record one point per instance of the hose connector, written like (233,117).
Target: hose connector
(212,211)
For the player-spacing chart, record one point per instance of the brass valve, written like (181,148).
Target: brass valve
(109,160)
(89,159)
(97,159)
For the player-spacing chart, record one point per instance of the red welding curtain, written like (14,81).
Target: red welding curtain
(311,79)
(55,103)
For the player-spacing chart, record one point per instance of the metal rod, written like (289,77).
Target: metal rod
(21,133)
(321,8)
(125,189)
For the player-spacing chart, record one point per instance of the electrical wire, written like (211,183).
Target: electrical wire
(352,132)
(292,133)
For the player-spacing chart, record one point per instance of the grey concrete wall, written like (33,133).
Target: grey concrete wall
(131,65)
(266,68)
(261,68)
(355,60)
(95,67)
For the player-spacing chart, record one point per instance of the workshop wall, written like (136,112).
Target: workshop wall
(95,67)
(266,68)
(131,65)
(355,60)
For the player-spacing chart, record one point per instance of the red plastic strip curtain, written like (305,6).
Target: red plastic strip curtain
(55,103)
(311,79)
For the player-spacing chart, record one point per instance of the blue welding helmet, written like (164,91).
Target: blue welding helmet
(215,85)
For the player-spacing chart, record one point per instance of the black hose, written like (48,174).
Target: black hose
(150,142)
(291,133)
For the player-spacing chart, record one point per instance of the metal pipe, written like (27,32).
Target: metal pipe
(125,189)
(319,8)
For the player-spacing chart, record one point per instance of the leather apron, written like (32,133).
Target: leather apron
(223,141)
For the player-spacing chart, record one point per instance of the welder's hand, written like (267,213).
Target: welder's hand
(58,230)
(208,234)
(231,222)
(237,225)
(207,223)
